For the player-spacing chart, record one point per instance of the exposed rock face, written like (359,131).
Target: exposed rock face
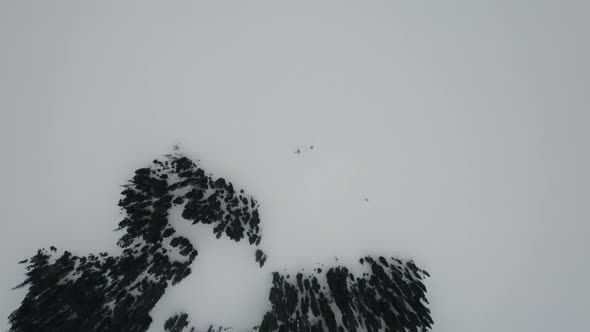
(117,293)
(390,297)
(106,293)
(181,323)
(177,323)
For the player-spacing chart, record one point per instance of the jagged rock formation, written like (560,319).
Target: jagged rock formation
(181,323)
(117,293)
(177,323)
(107,293)
(389,297)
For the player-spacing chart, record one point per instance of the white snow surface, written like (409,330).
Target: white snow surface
(453,133)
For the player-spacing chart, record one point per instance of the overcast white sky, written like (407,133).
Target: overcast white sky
(465,124)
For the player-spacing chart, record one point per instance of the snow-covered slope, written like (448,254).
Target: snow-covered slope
(450,132)
(118,293)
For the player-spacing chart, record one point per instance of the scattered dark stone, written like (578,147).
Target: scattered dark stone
(260,257)
(302,149)
(168,232)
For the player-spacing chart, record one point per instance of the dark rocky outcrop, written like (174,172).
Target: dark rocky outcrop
(389,297)
(177,323)
(117,293)
(260,257)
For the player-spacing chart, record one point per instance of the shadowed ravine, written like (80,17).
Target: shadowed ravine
(100,292)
